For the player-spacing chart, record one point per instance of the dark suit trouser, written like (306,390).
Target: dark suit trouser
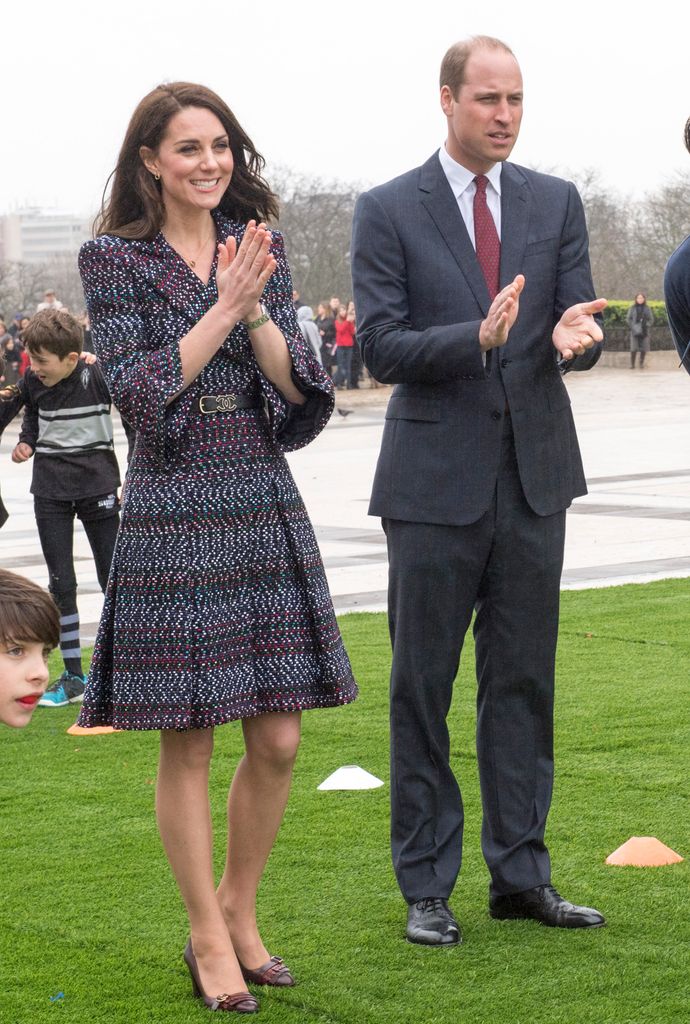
(508,565)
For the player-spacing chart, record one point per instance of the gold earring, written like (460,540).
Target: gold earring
(156,175)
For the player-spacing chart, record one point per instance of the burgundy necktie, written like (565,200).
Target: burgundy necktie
(486,240)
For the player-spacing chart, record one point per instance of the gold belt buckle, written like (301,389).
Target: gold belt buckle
(224,403)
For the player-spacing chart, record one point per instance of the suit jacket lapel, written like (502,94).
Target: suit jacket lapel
(438,199)
(514,222)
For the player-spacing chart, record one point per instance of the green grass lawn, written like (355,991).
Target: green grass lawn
(88,907)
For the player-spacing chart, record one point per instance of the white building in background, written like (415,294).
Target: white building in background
(33,235)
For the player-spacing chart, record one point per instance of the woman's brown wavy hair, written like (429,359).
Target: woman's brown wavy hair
(135,209)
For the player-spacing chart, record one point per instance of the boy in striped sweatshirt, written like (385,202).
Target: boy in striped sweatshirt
(67,426)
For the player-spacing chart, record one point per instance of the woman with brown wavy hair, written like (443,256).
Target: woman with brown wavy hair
(217,607)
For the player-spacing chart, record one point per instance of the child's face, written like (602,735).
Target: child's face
(23,679)
(50,368)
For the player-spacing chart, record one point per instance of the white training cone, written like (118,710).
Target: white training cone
(351,776)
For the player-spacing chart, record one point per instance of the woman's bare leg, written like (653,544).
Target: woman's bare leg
(184,822)
(256,804)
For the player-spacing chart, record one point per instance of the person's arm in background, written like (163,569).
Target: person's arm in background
(11,401)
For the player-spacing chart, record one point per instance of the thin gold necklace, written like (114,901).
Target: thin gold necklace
(192,262)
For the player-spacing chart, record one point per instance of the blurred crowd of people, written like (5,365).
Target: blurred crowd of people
(12,347)
(332,334)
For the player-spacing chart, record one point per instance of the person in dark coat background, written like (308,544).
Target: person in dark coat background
(640,319)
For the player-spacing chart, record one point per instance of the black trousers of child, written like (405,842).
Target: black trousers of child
(100,517)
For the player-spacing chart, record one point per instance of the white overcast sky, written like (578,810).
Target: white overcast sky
(346,91)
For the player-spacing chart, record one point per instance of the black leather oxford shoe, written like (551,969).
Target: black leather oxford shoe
(430,922)
(544,904)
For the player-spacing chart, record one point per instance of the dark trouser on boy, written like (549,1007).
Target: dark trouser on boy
(55,521)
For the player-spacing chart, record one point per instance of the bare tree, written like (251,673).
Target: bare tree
(62,275)
(21,287)
(316,219)
(611,223)
(7,306)
(632,239)
(664,223)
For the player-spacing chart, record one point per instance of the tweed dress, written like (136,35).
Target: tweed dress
(217,607)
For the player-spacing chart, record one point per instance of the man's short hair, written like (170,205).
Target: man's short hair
(686,135)
(54,330)
(454,63)
(27,612)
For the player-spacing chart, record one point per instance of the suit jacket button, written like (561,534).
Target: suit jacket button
(496,415)
(504,363)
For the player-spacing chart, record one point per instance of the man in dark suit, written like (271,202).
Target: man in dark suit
(473,292)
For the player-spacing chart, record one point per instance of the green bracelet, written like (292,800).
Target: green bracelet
(252,325)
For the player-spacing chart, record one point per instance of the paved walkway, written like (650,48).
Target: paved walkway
(633,526)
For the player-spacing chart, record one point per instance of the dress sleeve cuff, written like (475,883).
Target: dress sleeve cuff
(142,392)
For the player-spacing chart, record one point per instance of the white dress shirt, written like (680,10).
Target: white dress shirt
(462,183)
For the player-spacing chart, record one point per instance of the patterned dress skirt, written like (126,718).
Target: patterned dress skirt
(217,607)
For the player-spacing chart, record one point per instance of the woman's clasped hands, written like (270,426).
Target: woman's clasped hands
(244,271)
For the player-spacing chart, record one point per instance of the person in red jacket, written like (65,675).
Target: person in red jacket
(345,341)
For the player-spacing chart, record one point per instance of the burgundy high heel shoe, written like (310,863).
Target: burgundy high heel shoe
(274,973)
(240,1002)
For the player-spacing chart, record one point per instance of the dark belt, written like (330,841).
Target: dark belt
(228,403)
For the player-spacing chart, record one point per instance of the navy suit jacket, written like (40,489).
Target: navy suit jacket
(420,297)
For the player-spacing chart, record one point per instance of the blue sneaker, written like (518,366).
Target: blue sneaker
(68,689)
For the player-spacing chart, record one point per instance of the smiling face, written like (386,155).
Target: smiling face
(484,119)
(194,161)
(23,679)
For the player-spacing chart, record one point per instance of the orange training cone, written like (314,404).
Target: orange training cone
(643,852)
(97,730)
